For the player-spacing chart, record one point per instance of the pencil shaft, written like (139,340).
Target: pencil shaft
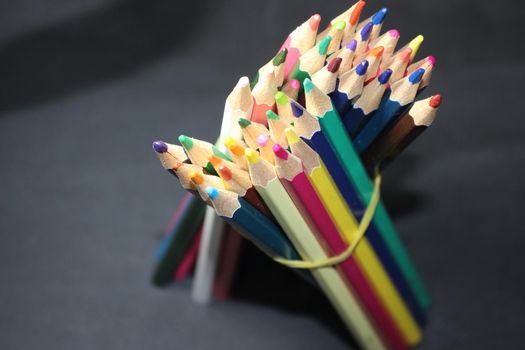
(304,189)
(334,130)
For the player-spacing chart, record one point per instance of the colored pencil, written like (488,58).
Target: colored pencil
(373,57)
(350,17)
(414,44)
(201,181)
(327,76)
(236,150)
(377,20)
(189,259)
(291,88)
(311,190)
(240,176)
(428,63)
(277,127)
(388,40)
(362,36)
(283,107)
(365,106)
(300,234)
(299,41)
(336,32)
(239,104)
(350,87)
(396,101)
(251,223)
(311,61)
(278,68)
(229,258)
(263,94)
(346,53)
(398,64)
(384,238)
(198,152)
(251,130)
(409,126)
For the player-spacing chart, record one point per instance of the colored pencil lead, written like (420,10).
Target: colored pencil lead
(160,147)
(385,76)
(334,64)
(225,172)
(394,33)
(362,68)
(186,142)
(280,152)
(354,17)
(314,22)
(435,101)
(365,32)
(244,122)
(379,17)
(415,44)
(212,192)
(352,45)
(415,77)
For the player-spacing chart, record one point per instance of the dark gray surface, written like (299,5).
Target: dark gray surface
(83,197)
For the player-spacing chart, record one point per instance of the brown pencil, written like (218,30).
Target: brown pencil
(389,145)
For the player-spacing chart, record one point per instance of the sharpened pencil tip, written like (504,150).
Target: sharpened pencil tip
(416,76)
(340,25)
(262,140)
(271,115)
(361,68)
(352,45)
(435,101)
(196,178)
(308,85)
(212,192)
(244,122)
(383,77)
(214,160)
(432,60)
(365,32)
(334,64)
(314,22)
(229,142)
(415,44)
(323,45)
(160,147)
(354,17)
(291,136)
(186,142)
(280,58)
(281,98)
(225,172)
(380,15)
(280,152)
(394,33)
(243,82)
(251,155)
(297,109)
(405,55)
(377,51)
(295,84)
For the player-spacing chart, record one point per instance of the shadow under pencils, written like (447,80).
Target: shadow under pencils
(278,287)
(92,48)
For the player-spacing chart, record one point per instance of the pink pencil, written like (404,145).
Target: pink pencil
(289,168)
(189,259)
(299,41)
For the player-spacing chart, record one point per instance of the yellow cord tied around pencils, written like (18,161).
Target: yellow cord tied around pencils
(335,260)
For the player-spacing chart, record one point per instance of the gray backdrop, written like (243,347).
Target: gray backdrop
(86,87)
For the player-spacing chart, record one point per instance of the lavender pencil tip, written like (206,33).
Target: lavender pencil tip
(365,32)
(352,45)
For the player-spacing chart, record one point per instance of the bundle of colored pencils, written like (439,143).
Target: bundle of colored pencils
(295,169)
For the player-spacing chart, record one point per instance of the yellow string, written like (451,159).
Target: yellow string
(334,260)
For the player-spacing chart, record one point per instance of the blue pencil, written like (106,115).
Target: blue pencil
(349,87)
(365,106)
(399,98)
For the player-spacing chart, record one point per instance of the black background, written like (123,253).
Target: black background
(88,85)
